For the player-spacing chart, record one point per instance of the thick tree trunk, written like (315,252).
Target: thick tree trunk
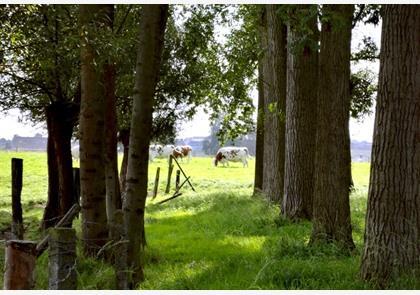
(124,137)
(274,105)
(92,164)
(392,235)
(301,103)
(60,122)
(331,206)
(259,147)
(113,196)
(153,21)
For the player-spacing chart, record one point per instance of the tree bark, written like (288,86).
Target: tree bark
(153,21)
(392,235)
(331,206)
(113,195)
(274,105)
(301,103)
(92,163)
(259,147)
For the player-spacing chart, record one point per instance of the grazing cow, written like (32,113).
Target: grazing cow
(182,151)
(160,152)
(232,154)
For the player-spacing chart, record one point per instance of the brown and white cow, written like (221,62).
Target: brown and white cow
(232,154)
(182,151)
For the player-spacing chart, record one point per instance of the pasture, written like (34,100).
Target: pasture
(217,238)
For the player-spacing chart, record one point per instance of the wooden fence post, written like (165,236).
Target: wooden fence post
(19,264)
(17,219)
(177,179)
(121,254)
(155,189)
(168,182)
(62,259)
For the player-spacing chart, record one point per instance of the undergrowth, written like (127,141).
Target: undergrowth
(220,237)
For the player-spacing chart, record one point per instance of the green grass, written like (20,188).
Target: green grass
(217,238)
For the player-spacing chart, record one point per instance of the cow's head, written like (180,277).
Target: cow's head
(218,158)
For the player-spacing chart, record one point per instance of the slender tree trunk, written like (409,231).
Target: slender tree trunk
(113,196)
(274,105)
(153,21)
(301,103)
(52,209)
(60,122)
(392,235)
(92,172)
(331,206)
(124,137)
(259,148)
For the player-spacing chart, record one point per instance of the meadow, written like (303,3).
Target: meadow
(219,237)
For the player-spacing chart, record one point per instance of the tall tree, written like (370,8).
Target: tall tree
(39,78)
(392,234)
(259,146)
(301,104)
(113,196)
(92,114)
(331,206)
(274,104)
(152,27)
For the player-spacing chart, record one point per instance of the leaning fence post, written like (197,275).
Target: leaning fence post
(17,220)
(155,189)
(62,259)
(177,179)
(19,264)
(168,182)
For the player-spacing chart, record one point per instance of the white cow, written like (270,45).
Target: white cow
(232,154)
(160,152)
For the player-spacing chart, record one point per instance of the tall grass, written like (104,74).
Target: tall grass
(220,237)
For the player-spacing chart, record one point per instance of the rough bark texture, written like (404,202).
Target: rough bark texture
(259,147)
(62,259)
(60,122)
(113,195)
(301,104)
(19,266)
(331,207)
(274,74)
(92,164)
(392,235)
(153,21)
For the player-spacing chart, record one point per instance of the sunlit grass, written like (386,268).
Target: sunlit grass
(219,237)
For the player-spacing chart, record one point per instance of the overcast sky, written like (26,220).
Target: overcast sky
(362,131)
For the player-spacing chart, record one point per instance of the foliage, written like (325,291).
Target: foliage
(40,57)
(363,87)
(368,50)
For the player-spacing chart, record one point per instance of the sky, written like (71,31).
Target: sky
(11,123)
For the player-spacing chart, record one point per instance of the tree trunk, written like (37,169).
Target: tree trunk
(259,147)
(60,123)
(153,21)
(274,105)
(301,103)
(113,196)
(331,206)
(124,137)
(92,173)
(392,235)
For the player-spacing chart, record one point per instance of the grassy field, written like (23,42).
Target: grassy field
(219,237)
